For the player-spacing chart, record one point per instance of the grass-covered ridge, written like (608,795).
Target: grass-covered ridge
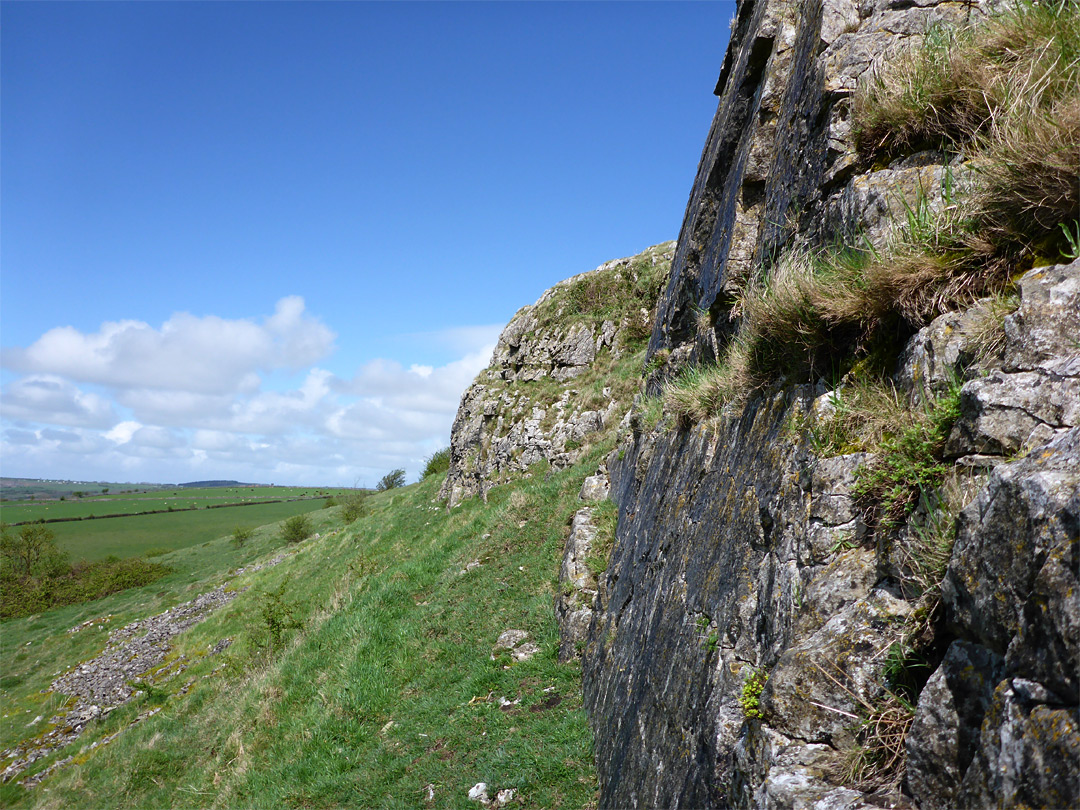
(1003,95)
(618,290)
(361,673)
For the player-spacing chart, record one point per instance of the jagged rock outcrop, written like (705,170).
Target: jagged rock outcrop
(738,550)
(564,370)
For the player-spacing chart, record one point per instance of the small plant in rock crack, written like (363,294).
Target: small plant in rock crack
(909,463)
(750,699)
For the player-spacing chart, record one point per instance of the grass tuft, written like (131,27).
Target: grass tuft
(1005,91)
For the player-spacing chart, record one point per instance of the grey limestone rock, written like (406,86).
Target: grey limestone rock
(524,407)
(1047,323)
(737,548)
(818,684)
(1036,392)
(1027,755)
(944,734)
(578,587)
(1011,583)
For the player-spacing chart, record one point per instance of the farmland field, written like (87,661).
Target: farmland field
(161,500)
(134,535)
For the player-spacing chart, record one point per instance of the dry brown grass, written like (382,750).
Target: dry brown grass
(1005,91)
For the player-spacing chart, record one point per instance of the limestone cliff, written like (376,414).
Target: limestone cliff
(748,552)
(564,371)
(844,570)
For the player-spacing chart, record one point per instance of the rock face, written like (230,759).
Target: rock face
(761,637)
(557,377)
(739,551)
(742,555)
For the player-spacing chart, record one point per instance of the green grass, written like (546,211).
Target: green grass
(388,685)
(1005,91)
(152,501)
(611,294)
(136,534)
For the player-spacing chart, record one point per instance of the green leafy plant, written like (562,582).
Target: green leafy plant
(354,505)
(1072,236)
(279,617)
(241,534)
(750,697)
(437,463)
(296,529)
(909,464)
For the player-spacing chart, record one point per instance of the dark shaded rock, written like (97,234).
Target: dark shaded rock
(1027,755)
(1012,577)
(944,735)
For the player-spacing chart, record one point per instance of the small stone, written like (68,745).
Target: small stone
(510,639)
(478,793)
(525,651)
(504,796)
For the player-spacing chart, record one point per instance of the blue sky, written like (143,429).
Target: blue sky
(275,241)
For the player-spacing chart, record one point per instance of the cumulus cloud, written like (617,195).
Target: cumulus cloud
(418,388)
(205,355)
(189,400)
(51,399)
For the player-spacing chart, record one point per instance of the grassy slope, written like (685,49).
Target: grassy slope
(389,687)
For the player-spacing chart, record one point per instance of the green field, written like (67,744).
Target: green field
(137,534)
(388,693)
(161,500)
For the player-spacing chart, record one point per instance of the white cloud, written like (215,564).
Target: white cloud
(205,355)
(123,432)
(187,401)
(47,398)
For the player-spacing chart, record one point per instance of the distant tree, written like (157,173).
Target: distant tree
(437,463)
(104,490)
(392,480)
(31,553)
